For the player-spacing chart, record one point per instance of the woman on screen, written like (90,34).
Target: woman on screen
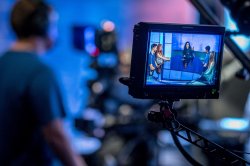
(209,73)
(188,55)
(160,58)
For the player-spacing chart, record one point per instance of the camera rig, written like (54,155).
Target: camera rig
(167,115)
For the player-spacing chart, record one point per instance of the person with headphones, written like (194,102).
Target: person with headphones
(31,107)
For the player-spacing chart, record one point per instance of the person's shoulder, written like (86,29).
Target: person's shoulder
(25,60)
(44,68)
(36,65)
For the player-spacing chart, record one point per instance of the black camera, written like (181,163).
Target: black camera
(175,61)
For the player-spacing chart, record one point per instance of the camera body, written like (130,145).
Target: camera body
(182,73)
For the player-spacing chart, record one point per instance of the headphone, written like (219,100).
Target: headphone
(38,21)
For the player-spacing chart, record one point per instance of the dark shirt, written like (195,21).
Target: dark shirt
(29,100)
(188,55)
(151,59)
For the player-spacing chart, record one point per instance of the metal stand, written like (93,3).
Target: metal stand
(167,115)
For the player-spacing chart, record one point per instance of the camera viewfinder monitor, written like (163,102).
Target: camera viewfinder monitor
(176,61)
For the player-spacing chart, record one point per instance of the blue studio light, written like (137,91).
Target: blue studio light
(89,40)
(242,41)
(238,124)
(107,60)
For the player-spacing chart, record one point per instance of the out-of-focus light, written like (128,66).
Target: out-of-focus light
(90,48)
(89,40)
(125,110)
(99,132)
(238,124)
(108,26)
(94,115)
(110,120)
(85,145)
(164,138)
(242,41)
(107,60)
(229,22)
(97,87)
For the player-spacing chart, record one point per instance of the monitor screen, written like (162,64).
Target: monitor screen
(182,59)
(176,61)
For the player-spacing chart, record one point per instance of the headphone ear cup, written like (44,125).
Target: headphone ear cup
(39,23)
(41,26)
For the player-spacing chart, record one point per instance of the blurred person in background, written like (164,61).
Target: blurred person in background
(31,107)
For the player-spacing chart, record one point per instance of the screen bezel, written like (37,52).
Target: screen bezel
(138,72)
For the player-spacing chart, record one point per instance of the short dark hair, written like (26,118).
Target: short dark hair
(153,45)
(30,18)
(207,48)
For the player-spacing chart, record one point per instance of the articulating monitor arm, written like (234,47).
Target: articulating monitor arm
(166,116)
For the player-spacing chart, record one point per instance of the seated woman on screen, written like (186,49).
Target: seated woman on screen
(160,58)
(188,55)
